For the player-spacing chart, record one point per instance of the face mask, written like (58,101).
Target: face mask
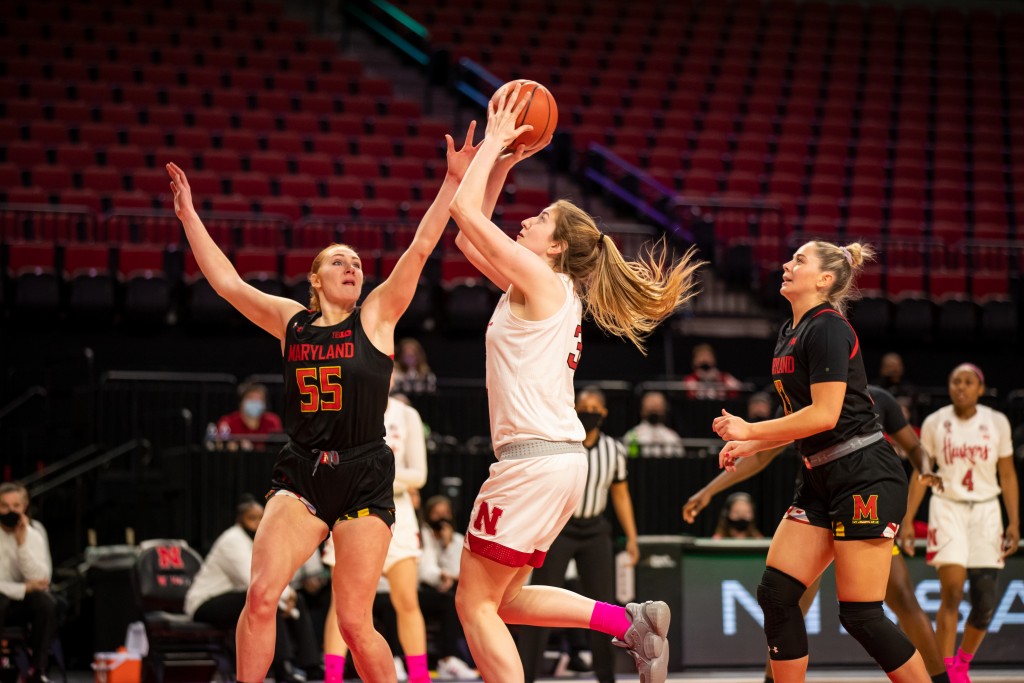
(251,533)
(437,524)
(705,367)
(410,361)
(253,407)
(739,524)
(654,418)
(10,520)
(590,420)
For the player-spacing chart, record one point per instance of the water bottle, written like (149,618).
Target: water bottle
(136,642)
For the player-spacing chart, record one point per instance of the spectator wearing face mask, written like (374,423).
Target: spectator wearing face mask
(252,419)
(707,382)
(737,518)
(653,433)
(759,407)
(890,376)
(412,374)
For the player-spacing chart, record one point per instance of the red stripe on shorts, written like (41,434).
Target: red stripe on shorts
(505,555)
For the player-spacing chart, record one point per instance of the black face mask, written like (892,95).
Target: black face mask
(739,524)
(704,367)
(654,418)
(590,420)
(438,524)
(249,532)
(10,520)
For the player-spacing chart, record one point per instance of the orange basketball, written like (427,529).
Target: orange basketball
(541,113)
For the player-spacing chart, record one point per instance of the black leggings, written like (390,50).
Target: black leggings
(38,610)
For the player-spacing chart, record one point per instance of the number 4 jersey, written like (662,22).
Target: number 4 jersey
(335,384)
(967,451)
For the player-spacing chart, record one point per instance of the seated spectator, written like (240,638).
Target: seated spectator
(252,419)
(439,575)
(217,595)
(653,433)
(707,382)
(737,518)
(890,376)
(759,407)
(412,374)
(25,571)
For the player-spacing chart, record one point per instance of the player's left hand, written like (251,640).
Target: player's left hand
(932,481)
(510,157)
(458,160)
(731,428)
(1011,540)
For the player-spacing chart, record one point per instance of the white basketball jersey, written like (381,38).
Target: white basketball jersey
(967,451)
(530,368)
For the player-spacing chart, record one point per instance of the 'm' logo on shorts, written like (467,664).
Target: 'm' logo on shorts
(865,513)
(487,518)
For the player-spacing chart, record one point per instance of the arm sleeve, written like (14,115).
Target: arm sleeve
(827,347)
(413,472)
(888,410)
(1004,440)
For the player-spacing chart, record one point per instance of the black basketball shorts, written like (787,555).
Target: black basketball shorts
(862,495)
(359,484)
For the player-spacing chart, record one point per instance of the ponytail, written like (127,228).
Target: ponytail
(625,298)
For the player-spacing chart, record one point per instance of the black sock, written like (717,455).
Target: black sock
(941,678)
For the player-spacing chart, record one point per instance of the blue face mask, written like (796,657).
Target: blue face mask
(253,408)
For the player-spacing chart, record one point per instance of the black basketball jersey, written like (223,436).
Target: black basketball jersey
(335,384)
(823,347)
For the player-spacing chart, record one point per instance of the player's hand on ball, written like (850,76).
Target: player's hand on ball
(182,192)
(731,428)
(503,114)
(458,160)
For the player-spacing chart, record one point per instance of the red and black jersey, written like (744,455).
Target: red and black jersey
(335,384)
(823,347)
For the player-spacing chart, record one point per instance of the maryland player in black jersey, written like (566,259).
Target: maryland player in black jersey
(899,592)
(336,473)
(854,494)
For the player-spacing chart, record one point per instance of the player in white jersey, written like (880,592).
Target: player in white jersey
(404,434)
(973,452)
(559,265)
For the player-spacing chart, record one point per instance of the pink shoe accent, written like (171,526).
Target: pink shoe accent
(610,619)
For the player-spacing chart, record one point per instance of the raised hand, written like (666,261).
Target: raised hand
(182,192)
(458,161)
(503,113)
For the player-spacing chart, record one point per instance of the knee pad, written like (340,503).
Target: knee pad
(779,595)
(882,639)
(983,597)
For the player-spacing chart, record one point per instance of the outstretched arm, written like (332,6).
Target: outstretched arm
(513,262)
(744,468)
(272,313)
(495,184)
(386,304)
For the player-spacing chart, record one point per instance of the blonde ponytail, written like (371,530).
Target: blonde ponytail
(625,298)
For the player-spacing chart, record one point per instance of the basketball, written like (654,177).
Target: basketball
(541,113)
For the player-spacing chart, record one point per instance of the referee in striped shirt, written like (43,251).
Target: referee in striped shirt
(587,537)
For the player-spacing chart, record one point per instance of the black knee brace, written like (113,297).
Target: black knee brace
(779,595)
(882,639)
(983,597)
